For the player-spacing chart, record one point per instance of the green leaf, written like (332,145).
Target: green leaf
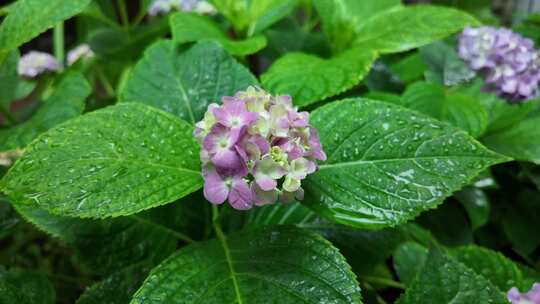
(363,249)
(445,65)
(460,110)
(386,164)
(35,286)
(520,141)
(341,18)
(8,218)
(409,27)
(308,78)
(11,294)
(476,204)
(502,115)
(521,218)
(185,83)
(408,259)
(410,68)
(116,43)
(285,264)
(251,17)
(8,79)
(29,18)
(448,223)
(495,267)
(66,101)
(115,161)
(188,27)
(117,288)
(105,246)
(444,280)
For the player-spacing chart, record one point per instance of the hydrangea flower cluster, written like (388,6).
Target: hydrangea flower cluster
(256,149)
(80,52)
(531,297)
(165,6)
(35,63)
(508,61)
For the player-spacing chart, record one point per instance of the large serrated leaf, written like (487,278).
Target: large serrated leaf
(386,164)
(308,78)
(444,280)
(405,28)
(184,84)
(284,264)
(111,162)
(29,18)
(67,101)
(190,28)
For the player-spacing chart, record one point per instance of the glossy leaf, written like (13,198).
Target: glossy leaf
(460,110)
(111,168)
(185,83)
(387,164)
(66,102)
(341,18)
(285,264)
(308,78)
(444,280)
(409,27)
(29,18)
(191,28)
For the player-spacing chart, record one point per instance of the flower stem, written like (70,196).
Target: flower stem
(122,8)
(8,116)
(58,37)
(383,281)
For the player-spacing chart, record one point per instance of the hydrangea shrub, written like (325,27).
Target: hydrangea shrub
(273,151)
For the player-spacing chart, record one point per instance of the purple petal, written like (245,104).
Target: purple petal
(215,188)
(241,196)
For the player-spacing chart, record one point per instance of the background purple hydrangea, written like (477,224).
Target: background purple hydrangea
(256,149)
(530,297)
(508,62)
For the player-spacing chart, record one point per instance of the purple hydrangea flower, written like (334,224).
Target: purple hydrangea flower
(165,6)
(508,62)
(35,63)
(531,297)
(82,51)
(256,150)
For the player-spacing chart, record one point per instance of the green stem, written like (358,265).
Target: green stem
(223,240)
(140,16)
(383,281)
(8,116)
(123,13)
(105,82)
(58,35)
